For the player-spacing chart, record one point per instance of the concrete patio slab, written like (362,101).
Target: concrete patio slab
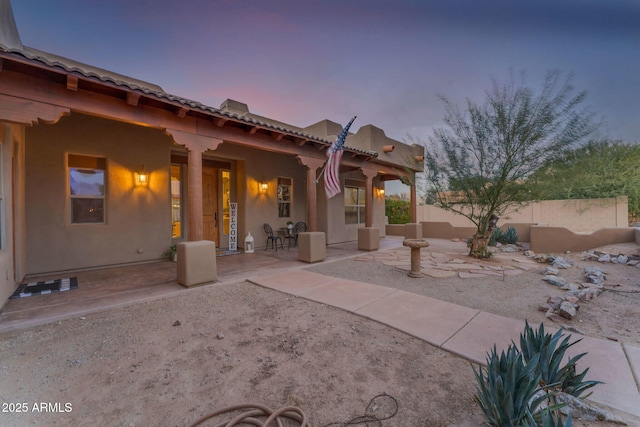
(426,318)
(346,294)
(484,331)
(607,362)
(292,282)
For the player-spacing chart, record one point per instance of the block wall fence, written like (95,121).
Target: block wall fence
(549,226)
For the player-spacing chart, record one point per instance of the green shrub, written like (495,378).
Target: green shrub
(398,211)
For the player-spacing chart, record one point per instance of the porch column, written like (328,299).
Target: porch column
(311,164)
(194,196)
(414,203)
(197,145)
(368,198)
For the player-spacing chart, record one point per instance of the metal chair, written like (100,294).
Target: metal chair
(272,238)
(299,228)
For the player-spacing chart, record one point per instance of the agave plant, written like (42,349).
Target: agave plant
(510,236)
(549,351)
(496,236)
(547,419)
(507,390)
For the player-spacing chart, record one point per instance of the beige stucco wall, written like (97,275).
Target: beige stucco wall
(335,227)
(254,207)
(560,239)
(138,219)
(576,215)
(11,147)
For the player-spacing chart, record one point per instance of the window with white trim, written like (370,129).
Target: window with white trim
(354,202)
(86,189)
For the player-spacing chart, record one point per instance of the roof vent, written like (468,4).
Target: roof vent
(232,106)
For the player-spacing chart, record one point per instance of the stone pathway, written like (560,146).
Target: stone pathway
(441,265)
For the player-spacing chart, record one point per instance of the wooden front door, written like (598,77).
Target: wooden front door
(210,204)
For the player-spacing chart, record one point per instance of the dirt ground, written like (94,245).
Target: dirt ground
(170,361)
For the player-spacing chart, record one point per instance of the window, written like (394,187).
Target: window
(87,189)
(226,200)
(176,201)
(284,197)
(354,202)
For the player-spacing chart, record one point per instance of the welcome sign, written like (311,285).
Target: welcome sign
(233,226)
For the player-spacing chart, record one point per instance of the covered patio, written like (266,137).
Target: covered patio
(107,288)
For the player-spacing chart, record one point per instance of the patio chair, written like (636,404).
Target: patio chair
(299,228)
(274,239)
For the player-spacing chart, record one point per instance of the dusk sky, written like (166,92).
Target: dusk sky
(383,60)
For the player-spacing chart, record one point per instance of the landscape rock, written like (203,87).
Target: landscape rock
(583,410)
(594,275)
(529,254)
(554,302)
(572,286)
(605,258)
(554,280)
(622,259)
(561,262)
(572,299)
(567,310)
(550,270)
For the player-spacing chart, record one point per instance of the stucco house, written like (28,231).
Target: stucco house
(100,169)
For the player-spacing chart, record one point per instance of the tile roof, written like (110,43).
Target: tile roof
(151,90)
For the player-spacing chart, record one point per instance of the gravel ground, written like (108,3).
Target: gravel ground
(168,362)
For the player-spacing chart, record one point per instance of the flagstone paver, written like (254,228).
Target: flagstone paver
(441,265)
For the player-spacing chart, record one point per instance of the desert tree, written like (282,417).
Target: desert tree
(478,164)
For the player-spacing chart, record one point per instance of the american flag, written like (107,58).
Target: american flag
(331,177)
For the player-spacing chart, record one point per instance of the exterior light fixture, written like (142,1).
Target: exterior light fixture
(263,186)
(142,176)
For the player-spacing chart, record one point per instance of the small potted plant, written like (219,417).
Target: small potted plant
(172,253)
(290,225)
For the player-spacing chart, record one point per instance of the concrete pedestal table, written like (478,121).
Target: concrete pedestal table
(415,245)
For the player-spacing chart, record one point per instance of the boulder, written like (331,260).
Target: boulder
(554,280)
(561,262)
(567,310)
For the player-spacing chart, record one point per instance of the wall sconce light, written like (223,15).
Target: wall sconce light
(380,192)
(142,176)
(263,186)
(388,148)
